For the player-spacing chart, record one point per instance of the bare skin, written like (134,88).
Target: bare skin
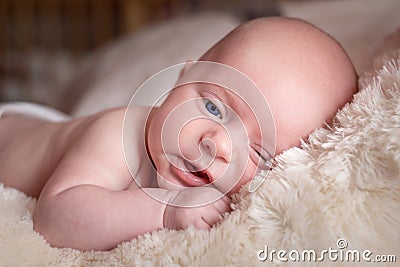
(89,183)
(87,198)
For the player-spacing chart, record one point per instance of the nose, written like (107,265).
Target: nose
(217,144)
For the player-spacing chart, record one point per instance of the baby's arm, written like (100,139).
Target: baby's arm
(86,204)
(93,217)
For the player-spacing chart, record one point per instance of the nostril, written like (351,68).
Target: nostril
(209,146)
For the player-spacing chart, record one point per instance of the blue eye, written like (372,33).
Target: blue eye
(212,108)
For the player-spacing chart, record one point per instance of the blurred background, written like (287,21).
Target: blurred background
(42,40)
(56,51)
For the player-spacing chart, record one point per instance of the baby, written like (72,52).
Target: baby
(76,168)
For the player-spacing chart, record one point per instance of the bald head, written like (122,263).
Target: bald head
(304,74)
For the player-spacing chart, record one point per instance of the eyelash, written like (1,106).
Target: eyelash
(263,159)
(259,154)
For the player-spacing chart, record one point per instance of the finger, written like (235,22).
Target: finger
(223,206)
(203,223)
(212,217)
(227,199)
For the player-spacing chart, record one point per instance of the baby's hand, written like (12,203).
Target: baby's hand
(202,217)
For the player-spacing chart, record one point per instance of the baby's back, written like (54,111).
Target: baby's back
(29,152)
(32,149)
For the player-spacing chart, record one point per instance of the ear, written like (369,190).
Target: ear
(186,67)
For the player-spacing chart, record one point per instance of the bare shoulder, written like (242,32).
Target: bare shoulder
(96,154)
(118,116)
(111,125)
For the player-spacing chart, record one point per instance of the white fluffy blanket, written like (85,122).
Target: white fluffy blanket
(343,183)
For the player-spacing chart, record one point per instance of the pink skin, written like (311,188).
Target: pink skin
(303,73)
(196,133)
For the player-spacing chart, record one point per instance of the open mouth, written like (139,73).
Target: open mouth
(193,170)
(202,175)
(190,175)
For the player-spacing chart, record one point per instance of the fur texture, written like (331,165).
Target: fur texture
(343,183)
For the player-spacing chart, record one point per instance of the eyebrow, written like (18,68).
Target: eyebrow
(230,95)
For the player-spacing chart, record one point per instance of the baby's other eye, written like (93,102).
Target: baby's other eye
(264,158)
(212,108)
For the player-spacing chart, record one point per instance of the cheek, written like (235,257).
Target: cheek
(158,119)
(188,139)
(154,143)
(249,174)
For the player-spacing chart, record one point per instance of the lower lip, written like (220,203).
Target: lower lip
(188,178)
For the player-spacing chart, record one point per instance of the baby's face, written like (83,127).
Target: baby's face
(204,133)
